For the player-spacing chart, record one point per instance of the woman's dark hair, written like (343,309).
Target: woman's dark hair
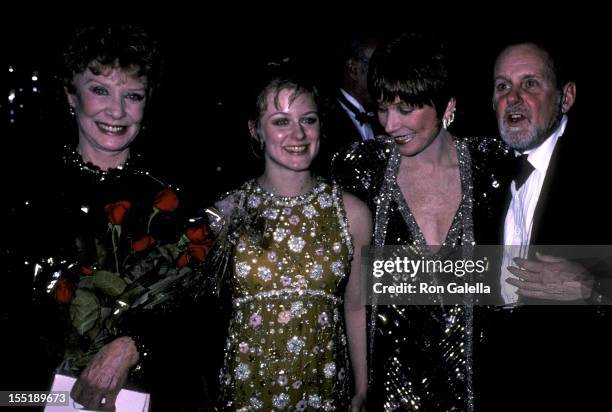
(413,68)
(105,47)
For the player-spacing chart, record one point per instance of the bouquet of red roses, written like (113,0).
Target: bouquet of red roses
(138,273)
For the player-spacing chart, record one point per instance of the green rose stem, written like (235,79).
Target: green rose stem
(155,212)
(115,228)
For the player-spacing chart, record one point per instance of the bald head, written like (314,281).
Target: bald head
(530,51)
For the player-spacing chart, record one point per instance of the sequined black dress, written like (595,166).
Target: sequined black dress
(421,357)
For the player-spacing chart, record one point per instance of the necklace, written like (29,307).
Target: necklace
(73,158)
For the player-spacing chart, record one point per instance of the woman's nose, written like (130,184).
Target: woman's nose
(389,121)
(116,108)
(300,133)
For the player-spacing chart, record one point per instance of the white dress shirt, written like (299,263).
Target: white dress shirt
(365,130)
(519,218)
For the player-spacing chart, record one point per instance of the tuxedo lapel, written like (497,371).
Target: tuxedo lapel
(339,127)
(570,200)
(550,189)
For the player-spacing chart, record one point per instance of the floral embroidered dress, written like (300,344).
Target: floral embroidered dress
(287,348)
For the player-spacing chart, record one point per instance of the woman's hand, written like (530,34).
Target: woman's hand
(102,379)
(358,403)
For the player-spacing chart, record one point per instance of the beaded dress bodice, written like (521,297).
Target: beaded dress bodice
(287,347)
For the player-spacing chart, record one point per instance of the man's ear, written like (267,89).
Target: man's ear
(569,97)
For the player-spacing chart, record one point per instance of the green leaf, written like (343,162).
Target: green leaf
(86,282)
(84,311)
(105,312)
(93,333)
(131,293)
(100,251)
(170,251)
(141,299)
(75,359)
(184,240)
(109,283)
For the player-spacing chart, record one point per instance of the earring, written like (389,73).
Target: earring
(71,110)
(447,121)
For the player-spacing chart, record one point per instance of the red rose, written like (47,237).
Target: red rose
(197,235)
(166,200)
(64,291)
(183,260)
(199,251)
(116,212)
(143,243)
(87,271)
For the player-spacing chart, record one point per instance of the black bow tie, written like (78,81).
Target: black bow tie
(522,170)
(362,117)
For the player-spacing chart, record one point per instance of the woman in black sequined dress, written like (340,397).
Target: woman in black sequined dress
(95,209)
(432,191)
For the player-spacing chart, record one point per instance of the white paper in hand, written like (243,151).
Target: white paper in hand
(127,401)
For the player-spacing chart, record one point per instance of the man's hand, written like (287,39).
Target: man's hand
(102,379)
(553,278)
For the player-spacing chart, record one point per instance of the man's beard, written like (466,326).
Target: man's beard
(532,136)
(522,139)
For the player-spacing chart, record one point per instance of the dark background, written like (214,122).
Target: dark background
(196,126)
(196,133)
